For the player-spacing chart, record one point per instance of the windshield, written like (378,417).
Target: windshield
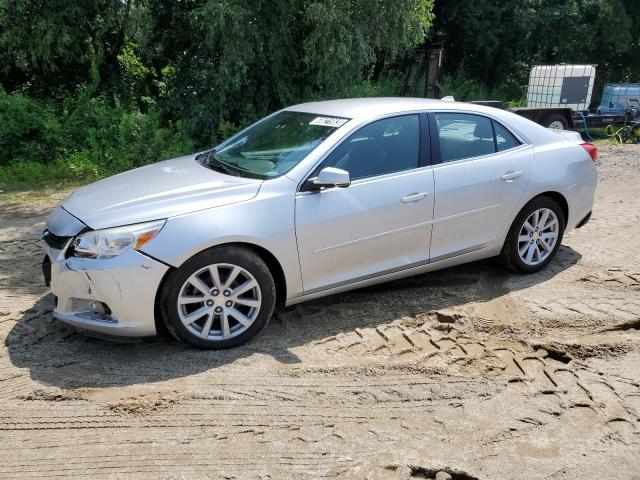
(274,146)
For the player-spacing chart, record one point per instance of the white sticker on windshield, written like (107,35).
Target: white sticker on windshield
(328,121)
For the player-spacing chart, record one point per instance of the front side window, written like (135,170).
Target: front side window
(274,146)
(384,146)
(464,135)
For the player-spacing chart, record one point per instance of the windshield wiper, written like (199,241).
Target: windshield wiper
(208,159)
(215,164)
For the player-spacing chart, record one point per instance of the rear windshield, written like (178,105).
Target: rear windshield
(274,146)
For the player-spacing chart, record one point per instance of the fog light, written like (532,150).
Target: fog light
(101,308)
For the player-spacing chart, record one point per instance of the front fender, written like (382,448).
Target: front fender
(266,221)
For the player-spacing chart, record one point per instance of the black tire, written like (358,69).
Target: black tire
(240,256)
(509,256)
(555,118)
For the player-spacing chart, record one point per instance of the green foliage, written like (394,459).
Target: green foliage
(388,85)
(342,39)
(464,89)
(93,87)
(136,78)
(254,56)
(496,42)
(53,44)
(28,129)
(101,86)
(83,139)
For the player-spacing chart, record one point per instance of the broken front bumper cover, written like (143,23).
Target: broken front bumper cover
(114,296)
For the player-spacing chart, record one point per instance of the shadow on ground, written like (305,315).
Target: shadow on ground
(59,356)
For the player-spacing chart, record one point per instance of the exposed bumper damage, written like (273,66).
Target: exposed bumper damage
(113,296)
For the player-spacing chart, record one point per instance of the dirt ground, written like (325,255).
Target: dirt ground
(472,371)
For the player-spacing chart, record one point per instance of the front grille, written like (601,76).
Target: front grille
(55,241)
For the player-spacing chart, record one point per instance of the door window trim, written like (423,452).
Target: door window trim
(436,155)
(425,149)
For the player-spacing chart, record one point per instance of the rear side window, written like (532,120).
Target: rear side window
(384,146)
(504,138)
(464,135)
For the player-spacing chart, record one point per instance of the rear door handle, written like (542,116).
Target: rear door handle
(414,197)
(510,176)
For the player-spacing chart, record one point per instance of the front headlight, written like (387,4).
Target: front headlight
(111,242)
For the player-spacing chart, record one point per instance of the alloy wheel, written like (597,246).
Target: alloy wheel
(538,236)
(219,302)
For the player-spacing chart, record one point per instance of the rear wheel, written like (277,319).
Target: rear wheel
(534,237)
(218,299)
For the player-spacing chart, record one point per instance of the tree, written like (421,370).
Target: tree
(484,40)
(497,42)
(253,56)
(48,45)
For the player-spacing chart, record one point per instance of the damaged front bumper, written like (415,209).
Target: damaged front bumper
(114,296)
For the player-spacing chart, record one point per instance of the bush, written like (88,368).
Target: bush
(389,85)
(28,129)
(82,139)
(464,89)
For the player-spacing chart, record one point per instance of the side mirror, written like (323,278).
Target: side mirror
(329,177)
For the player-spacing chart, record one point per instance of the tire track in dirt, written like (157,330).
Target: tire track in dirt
(534,371)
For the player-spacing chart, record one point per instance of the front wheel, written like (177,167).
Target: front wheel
(534,236)
(218,299)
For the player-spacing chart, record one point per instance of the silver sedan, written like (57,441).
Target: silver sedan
(310,201)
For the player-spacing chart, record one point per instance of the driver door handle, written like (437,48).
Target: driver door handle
(510,176)
(414,197)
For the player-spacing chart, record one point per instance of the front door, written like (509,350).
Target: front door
(382,221)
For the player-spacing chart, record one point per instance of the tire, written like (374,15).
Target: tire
(555,121)
(218,318)
(515,242)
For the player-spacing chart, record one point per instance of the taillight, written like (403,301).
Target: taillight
(591,150)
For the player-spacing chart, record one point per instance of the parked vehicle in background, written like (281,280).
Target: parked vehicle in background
(313,200)
(558,97)
(554,92)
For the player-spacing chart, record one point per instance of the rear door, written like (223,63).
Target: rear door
(382,221)
(481,175)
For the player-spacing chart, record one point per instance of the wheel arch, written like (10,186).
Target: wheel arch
(511,236)
(269,258)
(559,198)
(553,194)
(273,264)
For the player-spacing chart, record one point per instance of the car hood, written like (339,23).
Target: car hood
(160,190)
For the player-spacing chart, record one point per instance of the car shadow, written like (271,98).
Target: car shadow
(59,356)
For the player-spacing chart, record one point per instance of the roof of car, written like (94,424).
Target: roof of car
(363,109)
(373,106)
